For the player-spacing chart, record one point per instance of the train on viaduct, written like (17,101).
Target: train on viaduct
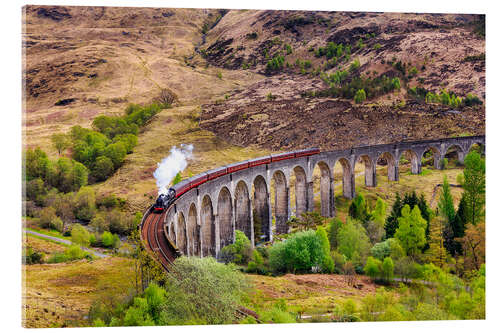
(205,214)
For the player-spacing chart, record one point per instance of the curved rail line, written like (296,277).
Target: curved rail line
(154,238)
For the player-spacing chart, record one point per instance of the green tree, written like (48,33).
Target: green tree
(391,223)
(379,213)
(358,209)
(372,267)
(103,168)
(333,227)
(327,264)
(84,204)
(387,269)
(445,204)
(411,230)
(456,229)
(352,239)
(80,235)
(299,253)
(474,187)
(60,141)
(116,152)
(360,96)
(36,164)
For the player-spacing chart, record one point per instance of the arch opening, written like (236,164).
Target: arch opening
(207,227)
(181,233)
(343,173)
(193,232)
(242,209)
(370,170)
(387,159)
(300,190)
(225,215)
(322,183)
(280,202)
(431,157)
(454,154)
(260,208)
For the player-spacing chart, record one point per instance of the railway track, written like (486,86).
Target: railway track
(154,238)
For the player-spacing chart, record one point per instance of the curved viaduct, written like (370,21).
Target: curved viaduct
(203,220)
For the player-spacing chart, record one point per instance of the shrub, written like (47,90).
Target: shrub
(360,96)
(352,239)
(200,290)
(84,204)
(372,267)
(109,240)
(80,235)
(396,83)
(275,64)
(354,65)
(46,216)
(31,257)
(471,100)
(103,168)
(387,270)
(299,253)
(239,252)
(443,164)
(74,252)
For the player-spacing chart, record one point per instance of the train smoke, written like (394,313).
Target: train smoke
(171,165)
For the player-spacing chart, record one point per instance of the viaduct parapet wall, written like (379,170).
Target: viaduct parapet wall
(204,220)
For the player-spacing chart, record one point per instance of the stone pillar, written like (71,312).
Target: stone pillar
(310,197)
(371,176)
(331,198)
(282,217)
(416,165)
(252,237)
(270,217)
(392,171)
(217,233)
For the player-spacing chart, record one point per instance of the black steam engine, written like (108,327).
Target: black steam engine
(164,200)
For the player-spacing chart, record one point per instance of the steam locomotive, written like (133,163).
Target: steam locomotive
(163,201)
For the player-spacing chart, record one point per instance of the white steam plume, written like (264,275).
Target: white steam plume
(171,165)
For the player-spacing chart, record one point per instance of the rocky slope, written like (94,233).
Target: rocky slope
(443,51)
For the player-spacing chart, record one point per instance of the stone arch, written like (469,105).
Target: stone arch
(436,156)
(415,162)
(181,241)
(347,178)
(207,227)
(225,216)
(193,231)
(261,218)
(281,201)
(392,166)
(325,188)
(370,170)
(242,209)
(479,144)
(459,150)
(300,190)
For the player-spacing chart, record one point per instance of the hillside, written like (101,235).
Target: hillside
(82,62)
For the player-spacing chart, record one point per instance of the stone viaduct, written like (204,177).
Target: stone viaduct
(203,220)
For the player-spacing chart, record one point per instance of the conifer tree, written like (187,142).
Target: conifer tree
(391,223)
(437,253)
